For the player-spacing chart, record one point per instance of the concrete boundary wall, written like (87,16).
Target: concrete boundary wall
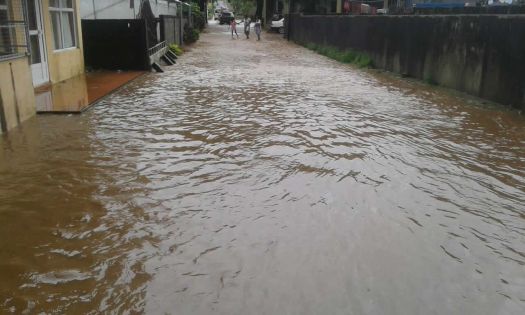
(481,55)
(171,29)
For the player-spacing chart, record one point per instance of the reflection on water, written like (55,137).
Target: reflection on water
(76,94)
(68,96)
(283,183)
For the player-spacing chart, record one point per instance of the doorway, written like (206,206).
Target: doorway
(37,43)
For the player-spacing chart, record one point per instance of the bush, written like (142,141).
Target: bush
(348,56)
(430,81)
(199,20)
(176,49)
(191,35)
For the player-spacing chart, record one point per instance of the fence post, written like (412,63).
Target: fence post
(181,24)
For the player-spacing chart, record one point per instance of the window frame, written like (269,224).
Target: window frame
(11,29)
(61,10)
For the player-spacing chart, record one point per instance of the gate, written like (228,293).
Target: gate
(171,29)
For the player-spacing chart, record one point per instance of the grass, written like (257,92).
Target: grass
(362,60)
(176,49)
(430,81)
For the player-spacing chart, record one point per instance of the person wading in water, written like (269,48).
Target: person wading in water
(233,27)
(247,22)
(258,29)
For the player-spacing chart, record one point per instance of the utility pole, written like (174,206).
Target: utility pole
(264,14)
(132,5)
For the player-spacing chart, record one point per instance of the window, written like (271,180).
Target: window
(12,30)
(5,32)
(63,22)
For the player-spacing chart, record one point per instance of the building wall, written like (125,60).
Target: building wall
(120,9)
(17,102)
(478,54)
(66,63)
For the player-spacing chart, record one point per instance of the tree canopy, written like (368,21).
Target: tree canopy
(243,7)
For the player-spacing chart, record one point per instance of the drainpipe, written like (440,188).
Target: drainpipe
(181,37)
(291,9)
(3,123)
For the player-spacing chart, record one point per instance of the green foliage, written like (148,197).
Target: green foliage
(199,19)
(348,56)
(430,81)
(191,35)
(176,49)
(211,9)
(363,61)
(243,7)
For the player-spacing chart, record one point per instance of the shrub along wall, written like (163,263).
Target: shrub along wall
(480,55)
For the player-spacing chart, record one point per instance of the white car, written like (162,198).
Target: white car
(277,26)
(217,14)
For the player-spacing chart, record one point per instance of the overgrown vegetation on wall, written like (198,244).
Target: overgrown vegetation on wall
(243,7)
(192,34)
(176,49)
(348,56)
(199,19)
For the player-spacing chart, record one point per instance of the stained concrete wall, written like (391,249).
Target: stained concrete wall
(480,55)
(66,63)
(17,101)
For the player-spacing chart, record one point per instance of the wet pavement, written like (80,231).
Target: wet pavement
(261,178)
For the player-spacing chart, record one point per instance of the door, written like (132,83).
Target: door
(37,42)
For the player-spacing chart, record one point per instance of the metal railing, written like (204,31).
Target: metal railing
(157,48)
(14,33)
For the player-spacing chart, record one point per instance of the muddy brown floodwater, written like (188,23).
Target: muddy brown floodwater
(261,178)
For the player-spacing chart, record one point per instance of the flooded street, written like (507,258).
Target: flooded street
(262,178)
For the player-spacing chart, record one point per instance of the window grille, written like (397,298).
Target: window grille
(13,29)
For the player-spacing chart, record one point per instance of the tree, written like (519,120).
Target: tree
(243,7)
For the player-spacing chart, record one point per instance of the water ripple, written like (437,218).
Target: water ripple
(266,179)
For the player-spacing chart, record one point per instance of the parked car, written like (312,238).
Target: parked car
(217,14)
(277,26)
(226,18)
